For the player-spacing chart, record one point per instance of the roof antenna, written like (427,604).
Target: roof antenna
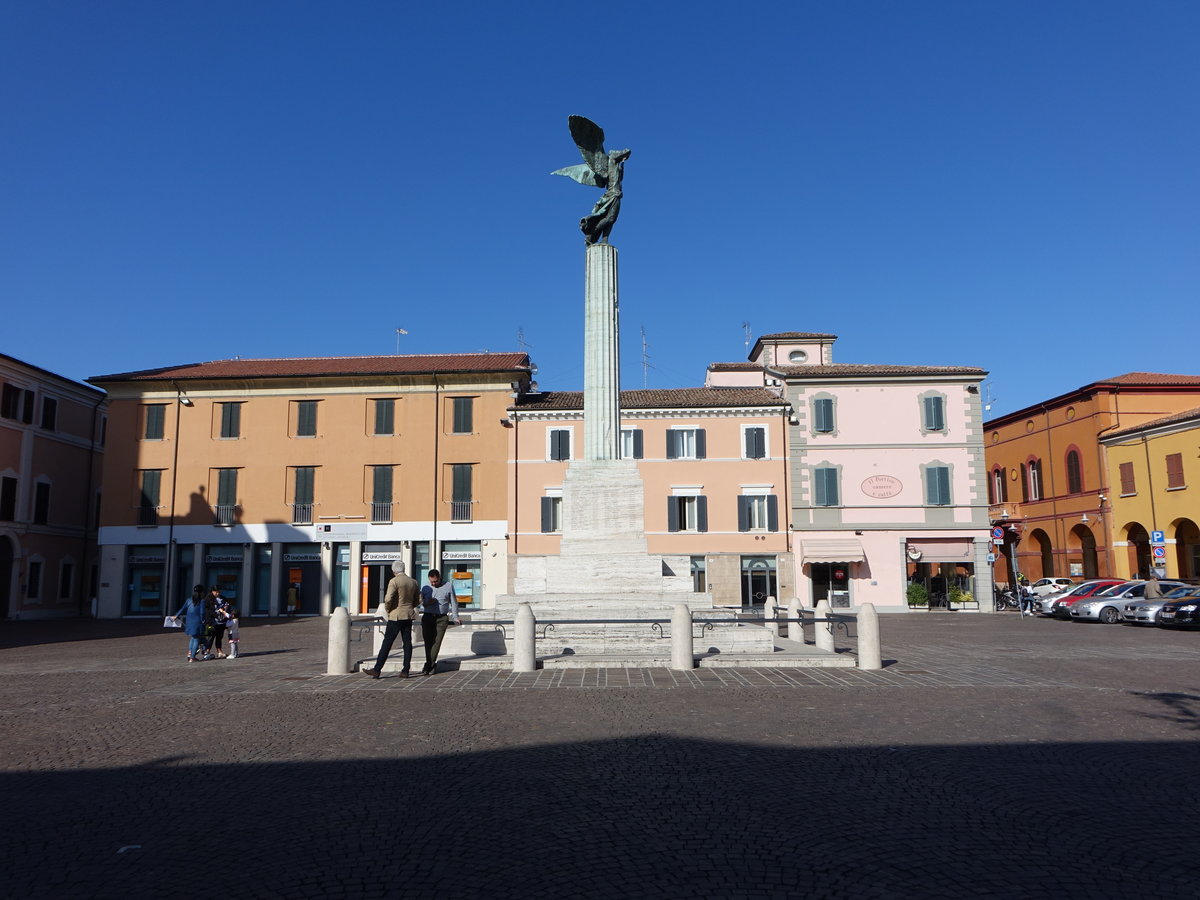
(645,359)
(746,328)
(523,345)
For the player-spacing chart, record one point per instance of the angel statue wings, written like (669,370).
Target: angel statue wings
(600,169)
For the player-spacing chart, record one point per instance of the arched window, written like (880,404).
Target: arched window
(999,486)
(1035,480)
(1074,473)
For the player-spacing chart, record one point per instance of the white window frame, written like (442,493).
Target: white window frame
(686,446)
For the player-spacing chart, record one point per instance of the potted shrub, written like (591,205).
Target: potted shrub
(959,598)
(918,594)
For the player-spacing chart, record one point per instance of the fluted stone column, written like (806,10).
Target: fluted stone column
(601,356)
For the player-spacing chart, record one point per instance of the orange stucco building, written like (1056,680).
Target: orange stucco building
(1049,483)
(257,475)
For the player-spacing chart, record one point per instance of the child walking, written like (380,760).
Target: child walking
(232,630)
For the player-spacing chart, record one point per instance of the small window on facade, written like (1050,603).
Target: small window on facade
(1035,479)
(150,497)
(632,446)
(825,486)
(156,419)
(551,515)
(1128,485)
(463,409)
(1074,473)
(758,512)
(385,417)
(1000,485)
(685,443)
(33,586)
(41,503)
(382,482)
(823,415)
(8,499)
(560,443)
(226,505)
(10,402)
(27,402)
(937,486)
(687,513)
(934,414)
(306,418)
(49,413)
(66,575)
(231,419)
(1175,470)
(754,442)
(303,493)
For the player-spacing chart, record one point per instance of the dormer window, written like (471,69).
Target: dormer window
(798,356)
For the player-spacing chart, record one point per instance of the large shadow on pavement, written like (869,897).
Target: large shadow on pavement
(650,816)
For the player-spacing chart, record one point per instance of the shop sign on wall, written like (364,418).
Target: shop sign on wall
(882,487)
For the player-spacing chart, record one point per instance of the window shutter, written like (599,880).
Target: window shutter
(672,444)
(227,487)
(1128,485)
(1074,473)
(547,515)
(151,481)
(560,444)
(304,484)
(772,513)
(385,416)
(823,415)
(743,513)
(638,450)
(1024,482)
(819,488)
(461,486)
(934,419)
(702,514)
(672,512)
(700,449)
(755,443)
(1175,470)
(383,485)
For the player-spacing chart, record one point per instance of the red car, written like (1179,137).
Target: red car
(1059,605)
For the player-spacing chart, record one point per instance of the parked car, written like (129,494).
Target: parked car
(1181,613)
(1146,612)
(1107,605)
(1045,586)
(1058,605)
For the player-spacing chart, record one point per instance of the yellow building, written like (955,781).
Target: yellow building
(1154,472)
(259,474)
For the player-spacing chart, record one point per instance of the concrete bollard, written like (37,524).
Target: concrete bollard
(525,641)
(823,627)
(794,621)
(339,642)
(869,656)
(683,656)
(770,616)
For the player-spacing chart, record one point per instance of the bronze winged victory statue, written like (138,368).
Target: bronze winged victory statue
(600,169)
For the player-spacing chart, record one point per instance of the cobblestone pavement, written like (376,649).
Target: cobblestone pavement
(993,756)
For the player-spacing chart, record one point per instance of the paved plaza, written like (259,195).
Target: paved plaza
(993,756)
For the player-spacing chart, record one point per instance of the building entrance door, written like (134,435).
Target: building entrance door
(758,581)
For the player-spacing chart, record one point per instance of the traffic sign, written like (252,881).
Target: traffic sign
(1159,552)
(1158,537)
(991,557)
(998,533)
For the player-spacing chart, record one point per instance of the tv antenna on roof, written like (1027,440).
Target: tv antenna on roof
(522,344)
(645,359)
(746,328)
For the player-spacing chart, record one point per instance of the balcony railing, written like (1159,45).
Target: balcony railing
(381,513)
(147,515)
(302,513)
(460,511)
(224,515)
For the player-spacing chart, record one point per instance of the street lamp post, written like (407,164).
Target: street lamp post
(181,400)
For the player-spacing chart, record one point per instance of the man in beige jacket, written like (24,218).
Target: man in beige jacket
(400,603)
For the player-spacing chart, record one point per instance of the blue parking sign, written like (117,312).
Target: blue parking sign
(1158,537)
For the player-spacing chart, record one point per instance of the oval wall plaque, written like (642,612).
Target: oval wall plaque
(881,487)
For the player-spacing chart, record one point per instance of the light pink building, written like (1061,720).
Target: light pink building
(50,454)
(714,466)
(886,480)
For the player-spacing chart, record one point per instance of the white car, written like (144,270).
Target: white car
(1044,586)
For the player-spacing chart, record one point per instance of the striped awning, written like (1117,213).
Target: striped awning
(844,551)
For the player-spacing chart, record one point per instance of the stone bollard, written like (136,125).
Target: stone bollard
(770,616)
(795,622)
(869,656)
(823,627)
(339,642)
(525,642)
(683,656)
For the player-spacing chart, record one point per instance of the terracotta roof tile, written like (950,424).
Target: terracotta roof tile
(796,336)
(1154,423)
(699,398)
(329,366)
(1151,378)
(850,370)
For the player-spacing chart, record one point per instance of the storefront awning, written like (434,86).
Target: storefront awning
(845,550)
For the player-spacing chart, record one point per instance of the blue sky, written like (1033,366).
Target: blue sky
(1010,185)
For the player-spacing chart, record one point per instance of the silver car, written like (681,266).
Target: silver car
(1145,612)
(1108,605)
